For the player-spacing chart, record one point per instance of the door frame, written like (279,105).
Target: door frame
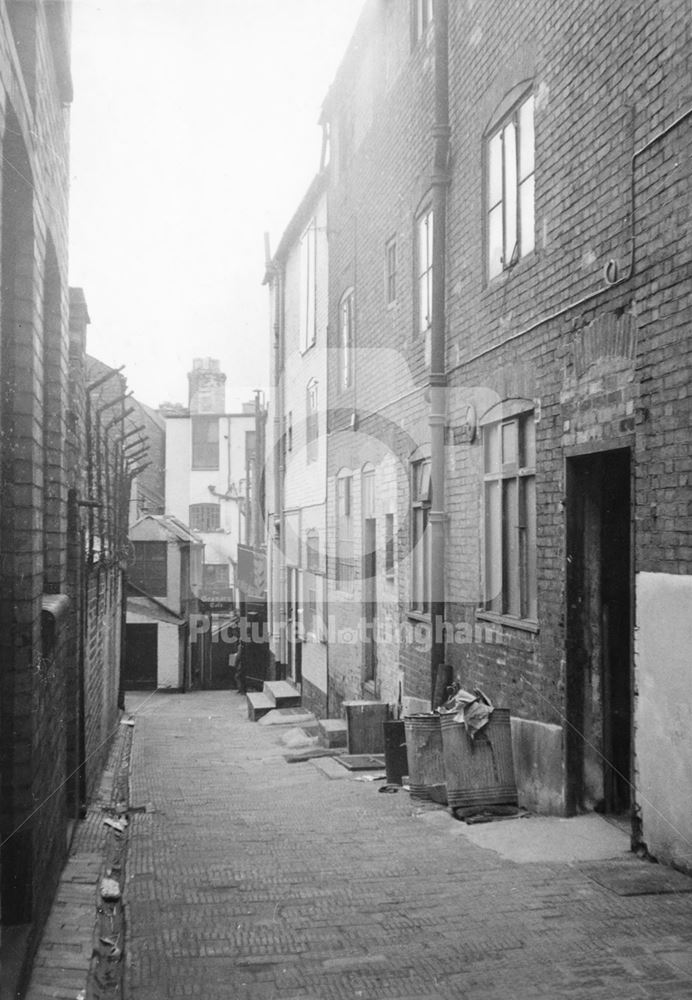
(574,686)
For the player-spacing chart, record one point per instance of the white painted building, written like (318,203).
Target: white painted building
(296,465)
(208,458)
(164,578)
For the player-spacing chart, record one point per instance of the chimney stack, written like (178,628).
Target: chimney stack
(207,387)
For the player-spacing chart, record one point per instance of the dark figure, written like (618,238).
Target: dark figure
(240,668)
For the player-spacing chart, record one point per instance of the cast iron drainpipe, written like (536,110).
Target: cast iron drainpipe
(437,381)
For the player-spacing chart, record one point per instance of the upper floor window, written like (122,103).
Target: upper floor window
(510,187)
(390,272)
(312,551)
(205,442)
(149,568)
(389,546)
(420,536)
(205,516)
(312,427)
(421,17)
(345,345)
(424,270)
(308,289)
(509,489)
(345,566)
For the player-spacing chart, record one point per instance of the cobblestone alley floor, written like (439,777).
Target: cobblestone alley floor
(252,878)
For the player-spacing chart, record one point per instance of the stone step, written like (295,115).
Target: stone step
(282,694)
(333,732)
(258,704)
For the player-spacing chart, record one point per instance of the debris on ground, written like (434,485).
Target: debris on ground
(110,890)
(297,737)
(299,756)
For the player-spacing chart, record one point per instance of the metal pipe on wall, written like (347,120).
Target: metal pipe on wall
(437,380)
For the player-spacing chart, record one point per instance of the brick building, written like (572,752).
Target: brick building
(36,89)
(62,518)
(508,462)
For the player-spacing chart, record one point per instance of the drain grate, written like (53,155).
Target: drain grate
(362,761)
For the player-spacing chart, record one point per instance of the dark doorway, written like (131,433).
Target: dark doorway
(370,602)
(253,632)
(599,631)
(294,643)
(141,657)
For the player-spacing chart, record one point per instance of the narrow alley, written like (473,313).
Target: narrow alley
(253,878)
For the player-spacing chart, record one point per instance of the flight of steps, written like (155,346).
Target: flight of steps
(274,694)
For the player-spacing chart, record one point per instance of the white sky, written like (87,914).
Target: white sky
(194,131)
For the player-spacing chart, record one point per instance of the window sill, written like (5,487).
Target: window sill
(499,280)
(522,624)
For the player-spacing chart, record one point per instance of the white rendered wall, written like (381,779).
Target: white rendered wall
(663,714)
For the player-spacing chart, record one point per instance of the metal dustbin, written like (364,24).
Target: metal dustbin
(426,769)
(480,771)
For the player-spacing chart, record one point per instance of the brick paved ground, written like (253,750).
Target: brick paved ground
(252,878)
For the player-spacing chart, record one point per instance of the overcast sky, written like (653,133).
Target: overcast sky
(194,131)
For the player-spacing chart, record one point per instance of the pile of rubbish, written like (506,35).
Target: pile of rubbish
(473,709)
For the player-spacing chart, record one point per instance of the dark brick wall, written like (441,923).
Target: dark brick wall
(43,537)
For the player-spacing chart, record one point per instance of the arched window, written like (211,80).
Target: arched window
(509,502)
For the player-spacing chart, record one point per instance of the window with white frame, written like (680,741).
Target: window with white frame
(510,188)
(345,573)
(308,288)
(345,342)
(420,536)
(509,516)
(312,426)
(312,550)
(424,271)
(390,271)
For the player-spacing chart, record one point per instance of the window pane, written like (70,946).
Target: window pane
(526,215)
(528,547)
(493,549)
(495,241)
(510,548)
(528,443)
(429,244)
(205,442)
(491,448)
(368,502)
(423,303)
(526,139)
(389,544)
(495,170)
(510,443)
(510,190)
